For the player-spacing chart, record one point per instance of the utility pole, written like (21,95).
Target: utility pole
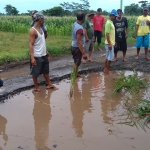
(121,2)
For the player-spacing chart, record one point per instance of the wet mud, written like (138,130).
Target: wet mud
(51,120)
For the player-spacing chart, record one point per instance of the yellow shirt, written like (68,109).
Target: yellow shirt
(110,29)
(144,29)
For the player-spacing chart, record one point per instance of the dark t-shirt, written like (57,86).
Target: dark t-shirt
(120,27)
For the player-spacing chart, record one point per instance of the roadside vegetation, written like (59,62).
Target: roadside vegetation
(14,36)
(136,108)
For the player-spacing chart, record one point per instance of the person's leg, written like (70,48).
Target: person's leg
(35,81)
(116,49)
(123,47)
(90,50)
(146,45)
(99,36)
(139,43)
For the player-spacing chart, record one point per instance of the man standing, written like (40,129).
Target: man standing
(110,40)
(39,55)
(89,35)
(78,41)
(121,32)
(142,31)
(99,22)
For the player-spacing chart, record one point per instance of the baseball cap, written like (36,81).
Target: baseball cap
(91,13)
(99,9)
(145,8)
(114,12)
(33,12)
(38,15)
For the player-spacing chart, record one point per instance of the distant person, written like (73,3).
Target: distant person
(142,31)
(78,41)
(121,32)
(89,35)
(39,55)
(99,22)
(110,40)
(43,26)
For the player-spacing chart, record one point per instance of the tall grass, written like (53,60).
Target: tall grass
(55,25)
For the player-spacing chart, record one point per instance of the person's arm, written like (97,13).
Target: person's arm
(107,31)
(85,31)
(137,27)
(79,40)
(136,30)
(127,29)
(103,23)
(32,37)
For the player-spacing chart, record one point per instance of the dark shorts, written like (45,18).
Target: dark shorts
(121,46)
(1,82)
(98,36)
(42,66)
(77,55)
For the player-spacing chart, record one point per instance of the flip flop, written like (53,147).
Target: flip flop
(36,91)
(52,87)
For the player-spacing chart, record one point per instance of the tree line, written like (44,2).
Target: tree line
(70,9)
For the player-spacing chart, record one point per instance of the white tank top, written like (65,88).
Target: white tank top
(39,46)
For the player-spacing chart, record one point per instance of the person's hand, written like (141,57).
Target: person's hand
(87,39)
(84,56)
(148,22)
(126,36)
(47,54)
(33,62)
(109,46)
(116,45)
(135,35)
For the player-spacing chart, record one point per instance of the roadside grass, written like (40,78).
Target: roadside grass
(14,47)
(136,108)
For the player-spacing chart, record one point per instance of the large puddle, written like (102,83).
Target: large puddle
(51,120)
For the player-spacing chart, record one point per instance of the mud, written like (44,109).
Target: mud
(51,120)
(61,68)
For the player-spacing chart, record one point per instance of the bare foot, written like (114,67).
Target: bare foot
(106,71)
(83,61)
(125,60)
(103,55)
(90,60)
(37,90)
(115,59)
(137,57)
(99,49)
(79,76)
(147,58)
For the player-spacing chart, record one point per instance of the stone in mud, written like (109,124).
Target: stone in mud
(55,145)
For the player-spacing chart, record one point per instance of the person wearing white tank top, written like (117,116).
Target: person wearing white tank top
(39,55)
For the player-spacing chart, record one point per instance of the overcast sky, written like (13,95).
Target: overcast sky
(24,5)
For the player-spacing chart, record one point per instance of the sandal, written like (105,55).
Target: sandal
(37,91)
(51,87)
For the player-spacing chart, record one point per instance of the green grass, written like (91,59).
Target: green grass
(136,109)
(130,82)
(15,46)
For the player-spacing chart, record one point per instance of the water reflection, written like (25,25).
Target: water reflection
(80,103)
(42,116)
(3,123)
(110,102)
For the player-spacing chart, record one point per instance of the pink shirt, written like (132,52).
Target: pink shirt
(98,22)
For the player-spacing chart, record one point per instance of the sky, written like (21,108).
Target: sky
(24,5)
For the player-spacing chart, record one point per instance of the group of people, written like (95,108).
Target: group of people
(85,32)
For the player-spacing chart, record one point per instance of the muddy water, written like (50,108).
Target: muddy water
(51,120)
